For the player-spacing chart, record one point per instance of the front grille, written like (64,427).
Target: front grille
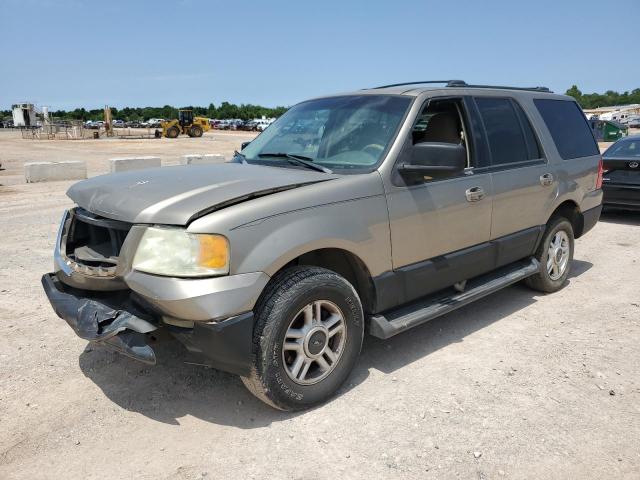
(91,244)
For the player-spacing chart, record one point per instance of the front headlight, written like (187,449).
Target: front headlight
(176,253)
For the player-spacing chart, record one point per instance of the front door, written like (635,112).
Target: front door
(440,228)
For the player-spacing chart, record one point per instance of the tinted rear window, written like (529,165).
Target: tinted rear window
(568,127)
(509,132)
(625,148)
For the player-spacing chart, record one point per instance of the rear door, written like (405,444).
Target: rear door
(524,186)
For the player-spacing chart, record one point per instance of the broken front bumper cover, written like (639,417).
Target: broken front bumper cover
(95,320)
(111,318)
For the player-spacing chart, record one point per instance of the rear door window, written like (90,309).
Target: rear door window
(509,134)
(568,127)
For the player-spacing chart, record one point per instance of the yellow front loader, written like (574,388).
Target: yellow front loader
(185,124)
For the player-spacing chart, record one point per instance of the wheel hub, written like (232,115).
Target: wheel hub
(316,341)
(558,255)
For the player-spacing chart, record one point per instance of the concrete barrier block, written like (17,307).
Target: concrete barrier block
(54,171)
(204,159)
(133,163)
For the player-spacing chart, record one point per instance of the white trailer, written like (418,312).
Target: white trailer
(24,115)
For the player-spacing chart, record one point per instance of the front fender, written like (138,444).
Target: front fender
(358,226)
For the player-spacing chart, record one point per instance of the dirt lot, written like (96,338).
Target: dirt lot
(519,385)
(14,151)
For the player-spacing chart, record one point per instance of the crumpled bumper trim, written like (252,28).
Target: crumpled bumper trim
(96,321)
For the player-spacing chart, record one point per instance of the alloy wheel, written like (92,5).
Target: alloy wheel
(558,255)
(314,342)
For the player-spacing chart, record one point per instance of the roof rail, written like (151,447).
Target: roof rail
(502,87)
(449,83)
(462,83)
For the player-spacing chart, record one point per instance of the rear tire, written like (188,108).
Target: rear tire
(195,131)
(173,132)
(555,254)
(307,338)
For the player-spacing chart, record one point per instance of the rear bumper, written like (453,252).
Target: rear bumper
(590,218)
(621,196)
(115,320)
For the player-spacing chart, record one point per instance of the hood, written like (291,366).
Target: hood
(177,195)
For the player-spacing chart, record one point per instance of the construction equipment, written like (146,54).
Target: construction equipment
(185,124)
(108,121)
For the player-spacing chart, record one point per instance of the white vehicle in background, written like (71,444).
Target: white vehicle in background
(632,121)
(262,125)
(153,123)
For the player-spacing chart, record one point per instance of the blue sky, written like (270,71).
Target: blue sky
(72,53)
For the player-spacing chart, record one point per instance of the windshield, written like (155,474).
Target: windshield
(626,148)
(350,132)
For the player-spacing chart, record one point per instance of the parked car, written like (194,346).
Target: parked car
(262,126)
(152,123)
(274,266)
(634,122)
(249,126)
(621,183)
(118,123)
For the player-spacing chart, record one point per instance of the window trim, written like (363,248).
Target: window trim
(517,106)
(470,142)
(522,163)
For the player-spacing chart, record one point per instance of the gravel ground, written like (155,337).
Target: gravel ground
(518,385)
(15,151)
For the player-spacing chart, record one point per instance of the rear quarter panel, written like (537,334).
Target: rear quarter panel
(576,178)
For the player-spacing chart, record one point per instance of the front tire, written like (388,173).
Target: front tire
(173,132)
(195,131)
(555,254)
(307,338)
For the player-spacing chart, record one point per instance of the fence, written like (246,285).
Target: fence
(57,131)
(77,131)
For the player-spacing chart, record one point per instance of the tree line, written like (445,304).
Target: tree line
(606,99)
(128,114)
(248,111)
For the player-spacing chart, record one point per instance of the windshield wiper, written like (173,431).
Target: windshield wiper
(298,159)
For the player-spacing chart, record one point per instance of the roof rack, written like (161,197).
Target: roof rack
(449,83)
(502,87)
(462,83)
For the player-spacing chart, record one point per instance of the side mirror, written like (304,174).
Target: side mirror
(436,160)
(243,145)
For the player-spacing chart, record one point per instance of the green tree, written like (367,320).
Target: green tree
(226,110)
(608,98)
(574,92)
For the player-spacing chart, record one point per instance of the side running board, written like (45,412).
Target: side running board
(396,321)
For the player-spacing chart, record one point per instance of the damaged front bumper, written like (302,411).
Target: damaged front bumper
(95,320)
(114,320)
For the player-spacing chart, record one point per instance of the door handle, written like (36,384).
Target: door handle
(546,179)
(474,194)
